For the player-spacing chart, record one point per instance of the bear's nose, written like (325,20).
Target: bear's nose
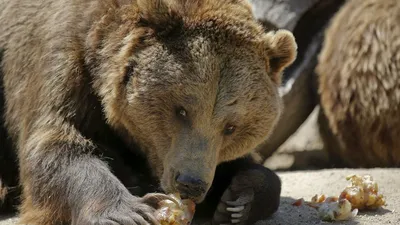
(190,186)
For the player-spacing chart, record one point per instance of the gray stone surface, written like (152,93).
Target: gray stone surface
(306,184)
(282,13)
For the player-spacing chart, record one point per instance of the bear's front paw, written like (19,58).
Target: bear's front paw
(253,195)
(234,208)
(128,210)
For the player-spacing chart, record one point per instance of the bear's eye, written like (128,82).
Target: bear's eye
(229,129)
(181,113)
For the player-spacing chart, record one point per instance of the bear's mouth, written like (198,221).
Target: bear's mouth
(170,185)
(195,198)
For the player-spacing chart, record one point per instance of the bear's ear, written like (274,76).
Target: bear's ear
(161,15)
(281,49)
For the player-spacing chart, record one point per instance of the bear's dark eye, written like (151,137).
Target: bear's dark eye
(181,113)
(229,129)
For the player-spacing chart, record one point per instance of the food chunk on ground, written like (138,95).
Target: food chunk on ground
(361,194)
(175,211)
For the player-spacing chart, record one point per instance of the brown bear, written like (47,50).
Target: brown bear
(359,84)
(357,79)
(108,103)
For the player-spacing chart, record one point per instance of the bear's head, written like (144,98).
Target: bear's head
(192,82)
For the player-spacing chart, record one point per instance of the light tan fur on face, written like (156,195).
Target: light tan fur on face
(219,65)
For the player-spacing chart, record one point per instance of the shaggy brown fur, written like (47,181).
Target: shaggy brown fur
(359,70)
(95,87)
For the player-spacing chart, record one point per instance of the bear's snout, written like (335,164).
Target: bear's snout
(190,186)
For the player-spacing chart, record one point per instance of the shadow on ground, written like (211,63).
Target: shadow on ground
(290,215)
(378,212)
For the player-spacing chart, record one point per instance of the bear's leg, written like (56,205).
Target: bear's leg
(250,192)
(63,180)
(133,171)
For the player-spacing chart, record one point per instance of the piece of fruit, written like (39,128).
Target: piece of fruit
(363,193)
(176,211)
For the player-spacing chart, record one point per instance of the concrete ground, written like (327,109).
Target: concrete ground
(299,161)
(306,184)
(8,220)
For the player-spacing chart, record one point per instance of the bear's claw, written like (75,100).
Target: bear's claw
(127,210)
(233,209)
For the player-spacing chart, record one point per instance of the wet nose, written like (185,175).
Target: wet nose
(190,186)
